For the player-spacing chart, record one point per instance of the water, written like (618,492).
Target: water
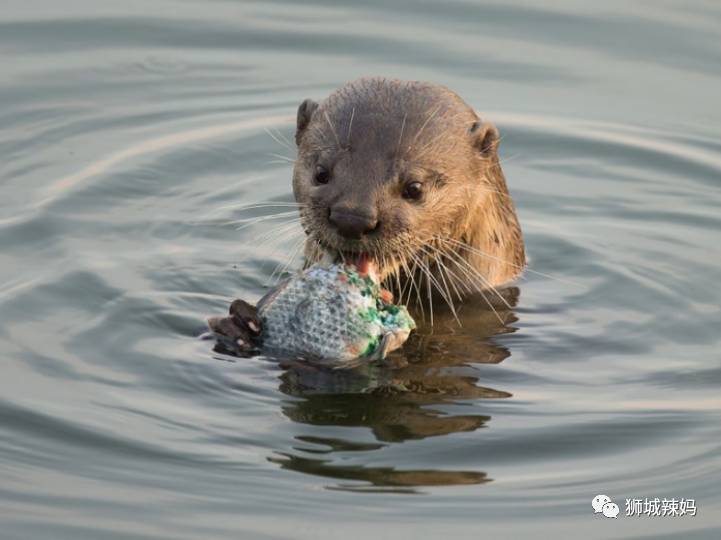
(127,126)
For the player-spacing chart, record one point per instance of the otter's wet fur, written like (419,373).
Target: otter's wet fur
(406,174)
(361,148)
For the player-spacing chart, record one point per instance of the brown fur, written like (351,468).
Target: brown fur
(375,136)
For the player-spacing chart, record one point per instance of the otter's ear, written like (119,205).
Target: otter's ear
(485,138)
(305,113)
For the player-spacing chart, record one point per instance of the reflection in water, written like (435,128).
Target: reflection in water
(380,478)
(396,400)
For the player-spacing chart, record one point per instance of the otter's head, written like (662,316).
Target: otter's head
(385,166)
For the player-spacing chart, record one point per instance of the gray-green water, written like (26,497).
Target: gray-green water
(126,127)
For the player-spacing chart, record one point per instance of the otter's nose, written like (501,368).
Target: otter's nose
(351,223)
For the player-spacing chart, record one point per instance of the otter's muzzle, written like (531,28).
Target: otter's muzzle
(353,224)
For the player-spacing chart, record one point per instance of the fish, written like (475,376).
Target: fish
(336,313)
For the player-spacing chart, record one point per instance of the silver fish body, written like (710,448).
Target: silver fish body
(332,313)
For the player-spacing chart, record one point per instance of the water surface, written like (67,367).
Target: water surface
(128,132)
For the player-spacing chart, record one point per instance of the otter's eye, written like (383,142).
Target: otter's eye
(413,191)
(321,175)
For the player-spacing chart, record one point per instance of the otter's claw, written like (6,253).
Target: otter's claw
(245,316)
(239,331)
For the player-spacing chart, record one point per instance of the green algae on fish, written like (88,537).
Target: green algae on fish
(334,313)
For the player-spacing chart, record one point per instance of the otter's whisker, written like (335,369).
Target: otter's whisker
(474,274)
(400,137)
(446,295)
(489,190)
(332,129)
(384,263)
(430,117)
(429,145)
(277,234)
(480,290)
(430,296)
(487,284)
(296,249)
(282,157)
(425,272)
(241,207)
(464,283)
(285,139)
(246,207)
(262,205)
(276,162)
(281,235)
(350,127)
(313,251)
(435,254)
(410,272)
(276,139)
(473,277)
(420,283)
(397,276)
(247,222)
(407,285)
(280,232)
(454,278)
(506,160)
(451,256)
(277,214)
(477,251)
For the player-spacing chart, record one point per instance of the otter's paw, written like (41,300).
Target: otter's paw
(241,330)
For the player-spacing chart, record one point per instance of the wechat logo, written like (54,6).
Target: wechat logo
(602,504)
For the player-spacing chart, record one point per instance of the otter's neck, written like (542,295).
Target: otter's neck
(494,233)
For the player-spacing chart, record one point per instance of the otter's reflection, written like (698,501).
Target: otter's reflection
(400,400)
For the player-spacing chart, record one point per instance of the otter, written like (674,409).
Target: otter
(407,174)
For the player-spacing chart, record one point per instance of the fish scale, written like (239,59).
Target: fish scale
(334,313)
